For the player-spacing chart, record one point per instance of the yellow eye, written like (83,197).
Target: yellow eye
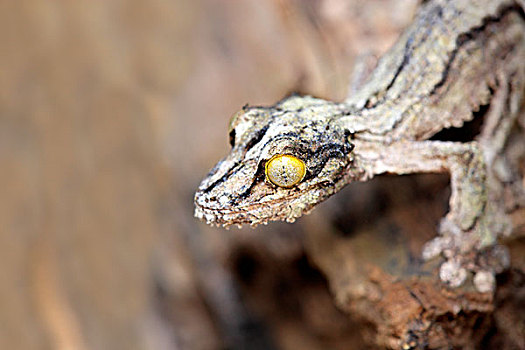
(285,170)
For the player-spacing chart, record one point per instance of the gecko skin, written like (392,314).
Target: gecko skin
(455,57)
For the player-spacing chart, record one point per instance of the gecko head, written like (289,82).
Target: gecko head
(284,160)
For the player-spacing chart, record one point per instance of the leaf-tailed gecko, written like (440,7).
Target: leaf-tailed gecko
(456,56)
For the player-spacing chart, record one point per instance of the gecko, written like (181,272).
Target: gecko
(456,57)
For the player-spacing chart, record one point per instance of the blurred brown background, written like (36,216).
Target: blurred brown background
(111,112)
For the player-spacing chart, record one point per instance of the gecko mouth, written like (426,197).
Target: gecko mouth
(253,213)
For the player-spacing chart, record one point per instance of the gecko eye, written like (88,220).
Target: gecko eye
(232,137)
(285,170)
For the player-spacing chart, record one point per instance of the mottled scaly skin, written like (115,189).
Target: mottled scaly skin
(455,57)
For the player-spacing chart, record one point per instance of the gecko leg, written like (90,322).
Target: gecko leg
(473,221)
(502,116)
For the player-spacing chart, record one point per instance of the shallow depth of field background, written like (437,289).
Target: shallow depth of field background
(111,112)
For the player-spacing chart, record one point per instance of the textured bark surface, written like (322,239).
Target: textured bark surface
(110,114)
(376,274)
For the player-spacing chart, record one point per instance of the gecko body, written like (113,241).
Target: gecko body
(455,57)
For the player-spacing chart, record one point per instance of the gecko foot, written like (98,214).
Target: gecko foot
(464,257)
